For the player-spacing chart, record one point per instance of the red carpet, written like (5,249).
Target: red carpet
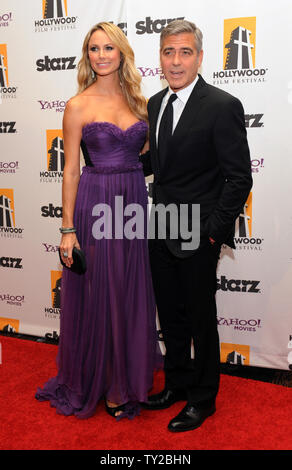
(251,415)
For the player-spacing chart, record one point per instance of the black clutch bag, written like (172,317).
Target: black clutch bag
(79,262)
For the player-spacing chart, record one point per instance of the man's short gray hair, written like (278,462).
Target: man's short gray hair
(182,26)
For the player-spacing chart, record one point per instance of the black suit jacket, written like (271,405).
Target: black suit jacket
(208,161)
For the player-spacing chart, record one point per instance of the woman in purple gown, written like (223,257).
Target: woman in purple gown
(108,339)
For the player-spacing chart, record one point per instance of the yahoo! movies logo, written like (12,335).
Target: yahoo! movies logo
(244,238)
(54,105)
(55,17)
(54,156)
(5,19)
(50,248)
(10,167)
(8,227)
(12,299)
(239,324)
(239,53)
(151,72)
(6,89)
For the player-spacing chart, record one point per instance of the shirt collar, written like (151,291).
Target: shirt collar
(184,94)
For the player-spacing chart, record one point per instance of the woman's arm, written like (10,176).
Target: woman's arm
(72,132)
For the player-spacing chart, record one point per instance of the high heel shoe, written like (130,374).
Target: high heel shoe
(113,410)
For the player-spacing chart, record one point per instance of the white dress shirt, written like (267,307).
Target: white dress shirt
(178,105)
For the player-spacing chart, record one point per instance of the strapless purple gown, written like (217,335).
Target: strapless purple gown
(108,339)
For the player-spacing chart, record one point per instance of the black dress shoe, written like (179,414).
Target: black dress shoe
(191,417)
(164,399)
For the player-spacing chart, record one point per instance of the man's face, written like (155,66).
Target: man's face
(180,60)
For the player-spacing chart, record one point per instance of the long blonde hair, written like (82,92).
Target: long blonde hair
(129,76)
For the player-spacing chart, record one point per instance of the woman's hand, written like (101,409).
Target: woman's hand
(68,241)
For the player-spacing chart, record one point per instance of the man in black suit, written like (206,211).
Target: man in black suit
(203,160)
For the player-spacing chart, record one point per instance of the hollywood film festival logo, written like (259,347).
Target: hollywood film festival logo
(55,157)
(53,311)
(244,237)
(7,90)
(237,354)
(239,54)
(9,325)
(8,227)
(55,17)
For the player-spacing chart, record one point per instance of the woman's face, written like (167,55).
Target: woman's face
(104,56)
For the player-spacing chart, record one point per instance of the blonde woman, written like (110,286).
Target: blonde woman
(107,331)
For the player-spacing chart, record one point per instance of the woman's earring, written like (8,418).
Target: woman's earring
(92,73)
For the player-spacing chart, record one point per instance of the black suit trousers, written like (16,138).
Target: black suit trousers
(185,290)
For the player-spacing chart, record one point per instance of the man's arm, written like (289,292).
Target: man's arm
(145,159)
(234,160)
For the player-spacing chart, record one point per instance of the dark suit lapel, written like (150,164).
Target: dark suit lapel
(188,117)
(155,108)
(192,108)
(155,112)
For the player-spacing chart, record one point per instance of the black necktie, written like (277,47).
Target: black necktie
(165,129)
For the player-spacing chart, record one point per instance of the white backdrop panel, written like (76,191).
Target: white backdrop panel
(40,58)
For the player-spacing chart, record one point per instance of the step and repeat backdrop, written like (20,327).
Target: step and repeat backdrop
(247,52)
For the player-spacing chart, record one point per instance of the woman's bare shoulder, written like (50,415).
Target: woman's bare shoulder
(77,109)
(76,103)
